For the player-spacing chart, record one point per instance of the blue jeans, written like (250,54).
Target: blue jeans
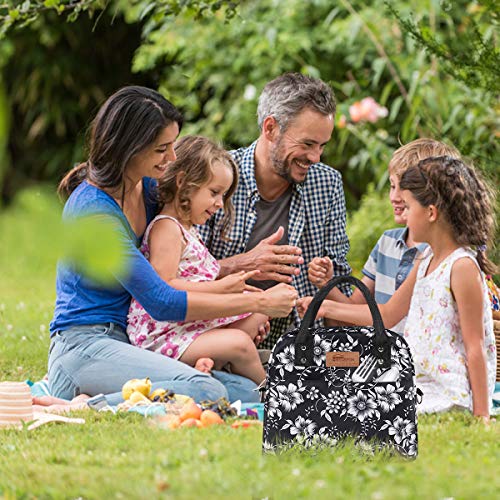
(94,359)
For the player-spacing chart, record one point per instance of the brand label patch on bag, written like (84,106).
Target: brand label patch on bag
(342,359)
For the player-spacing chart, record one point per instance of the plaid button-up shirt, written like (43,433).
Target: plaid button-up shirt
(317,224)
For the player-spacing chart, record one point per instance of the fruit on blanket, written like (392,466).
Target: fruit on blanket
(175,422)
(158,395)
(138,385)
(220,406)
(182,399)
(138,397)
(191,422)
(169,421)
(245,423)
(209,417)
(190,410)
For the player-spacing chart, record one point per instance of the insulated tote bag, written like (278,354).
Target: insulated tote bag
(326,384)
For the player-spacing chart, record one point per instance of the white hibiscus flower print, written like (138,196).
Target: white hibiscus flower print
(289,397)
(399,428)
(273,407)
(410,445)
(362,407)
(345,346)
(286,359)
(301,427)
(387,397)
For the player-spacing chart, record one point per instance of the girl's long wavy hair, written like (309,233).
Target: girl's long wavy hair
(128,122)
(195,157)
(464,198)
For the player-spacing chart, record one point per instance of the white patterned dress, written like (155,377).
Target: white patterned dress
(172,338)
(433,332)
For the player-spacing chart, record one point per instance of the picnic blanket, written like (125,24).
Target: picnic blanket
(41,388)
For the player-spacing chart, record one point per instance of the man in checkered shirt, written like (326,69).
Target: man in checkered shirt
(289,207)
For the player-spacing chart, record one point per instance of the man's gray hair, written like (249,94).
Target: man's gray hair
(289,94)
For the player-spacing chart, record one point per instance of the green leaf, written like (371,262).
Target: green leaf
(395,107)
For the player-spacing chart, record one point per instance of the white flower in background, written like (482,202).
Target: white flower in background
(250,92)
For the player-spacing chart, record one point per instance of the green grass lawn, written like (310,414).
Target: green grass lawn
(122,456)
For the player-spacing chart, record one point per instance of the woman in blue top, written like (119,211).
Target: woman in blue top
(131,145)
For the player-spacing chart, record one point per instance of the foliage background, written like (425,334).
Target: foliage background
(431,63)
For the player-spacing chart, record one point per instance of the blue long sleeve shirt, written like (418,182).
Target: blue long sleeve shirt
(82,301)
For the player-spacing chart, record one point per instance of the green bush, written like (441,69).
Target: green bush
(366,225)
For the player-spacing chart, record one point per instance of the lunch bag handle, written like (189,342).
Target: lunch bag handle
(304,341)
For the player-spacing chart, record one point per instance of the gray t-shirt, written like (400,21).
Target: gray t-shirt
(270,216)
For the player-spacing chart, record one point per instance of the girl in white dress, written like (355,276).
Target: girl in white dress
(449,326)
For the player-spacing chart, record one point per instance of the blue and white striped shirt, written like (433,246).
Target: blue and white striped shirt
(317,224)
(390,262)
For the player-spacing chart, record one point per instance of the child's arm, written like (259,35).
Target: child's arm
(359,314)
(320,271)
(466,287)
(166,244)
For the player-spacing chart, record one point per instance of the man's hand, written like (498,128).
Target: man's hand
(276,262)
(320,271)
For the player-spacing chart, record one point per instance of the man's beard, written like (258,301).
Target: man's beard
(280,164)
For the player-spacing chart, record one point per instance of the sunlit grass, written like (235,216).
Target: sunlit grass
(123,456)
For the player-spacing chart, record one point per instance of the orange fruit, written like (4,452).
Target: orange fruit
(245,423)
(191,422)
(174,422)
(190,410)
(169,421)
(209,417)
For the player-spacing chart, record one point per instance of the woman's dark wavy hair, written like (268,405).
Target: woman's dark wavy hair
(195,157)
(464,198)
(129,121)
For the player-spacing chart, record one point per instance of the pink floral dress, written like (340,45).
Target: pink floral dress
(172,338)
(435,338)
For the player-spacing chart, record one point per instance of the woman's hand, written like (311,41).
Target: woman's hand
(236,283)
(278,301)
(320,271)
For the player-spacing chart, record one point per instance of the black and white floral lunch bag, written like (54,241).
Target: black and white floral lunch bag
(326,384)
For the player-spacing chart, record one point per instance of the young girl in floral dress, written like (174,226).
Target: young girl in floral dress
(449,327)
(197,184)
